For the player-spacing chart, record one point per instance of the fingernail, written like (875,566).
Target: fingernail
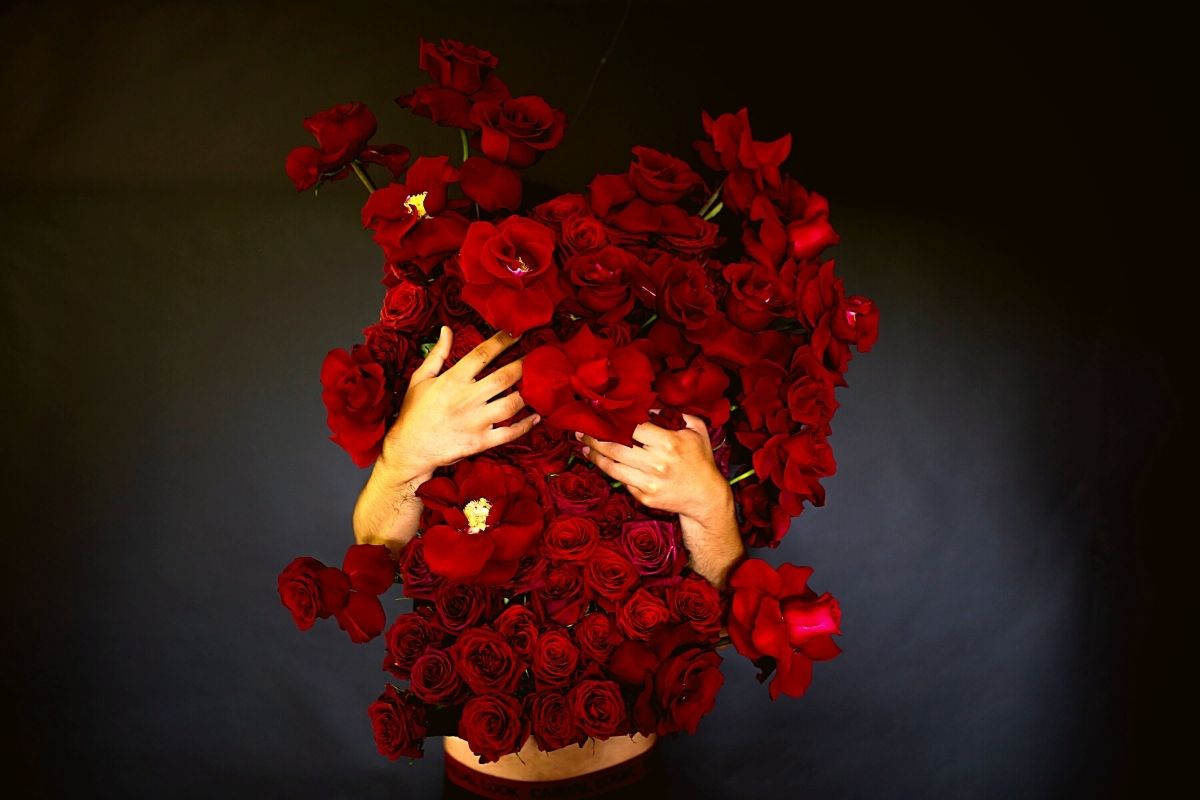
(578,435)
(586,449)
(536,419)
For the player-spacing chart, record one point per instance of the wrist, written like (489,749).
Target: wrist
(395,470)
(714,513)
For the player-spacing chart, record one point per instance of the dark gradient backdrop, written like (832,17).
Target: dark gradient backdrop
(996,530)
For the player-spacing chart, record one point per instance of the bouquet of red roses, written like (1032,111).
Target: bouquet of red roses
(546,600)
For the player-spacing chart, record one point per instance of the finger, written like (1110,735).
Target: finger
(630,476)
(502,408)
(697,424)
(470,365)
(502,435)
(633,456)
(437,356)
(499,380)
(652,435)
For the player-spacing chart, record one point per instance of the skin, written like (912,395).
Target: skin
(448,416)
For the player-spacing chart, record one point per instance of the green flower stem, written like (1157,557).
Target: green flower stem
(733,408)
(712,198)
(715,210)
(745,474)
(466,148)
(652,318)
(616,484)
(363,176)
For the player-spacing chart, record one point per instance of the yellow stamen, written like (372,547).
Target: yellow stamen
(415,203)
(476,513)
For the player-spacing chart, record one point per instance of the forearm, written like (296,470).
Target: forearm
(388,510)
(713,540)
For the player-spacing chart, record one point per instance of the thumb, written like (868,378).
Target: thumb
(433,362)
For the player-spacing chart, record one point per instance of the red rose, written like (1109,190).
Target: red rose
(554,213)
(774,613)
(685,688)
(570,538)
(493,726)
(641,614)
(578,490)
(602,281)
(457,66)
(519,627)
(451,308)
(654,547)
(597,636)
(610,577)
(555,659)
(406,307)
(418,582)
(686,234)
(856,322)
(539,452)
(517,130)
(661,178)
(598,708)
(698,388)
(509,273)
(450,107)
(466,339)
(493,186)
(685,291)
(486,662)
(759,294)
(561,598)
(808,230)
(489,514)
(409,636)
(750,163)
(764,522)
(459,605)
(763,385)
(309,590)
(435,678)
(796,465)
(613,513)
(390,349)
(587,384)
(357,401)
(698,603)
(399,723)
(818,292)
(551,721)
(583,233)
(341,133)
(606,192)
(810,398)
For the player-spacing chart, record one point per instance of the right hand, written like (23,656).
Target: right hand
(447,417)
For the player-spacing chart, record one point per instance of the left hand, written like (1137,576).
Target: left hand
(672,471)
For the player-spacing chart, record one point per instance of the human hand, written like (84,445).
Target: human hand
(671,471)
(447,417)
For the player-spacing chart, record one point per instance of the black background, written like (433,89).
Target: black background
(1007,187)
